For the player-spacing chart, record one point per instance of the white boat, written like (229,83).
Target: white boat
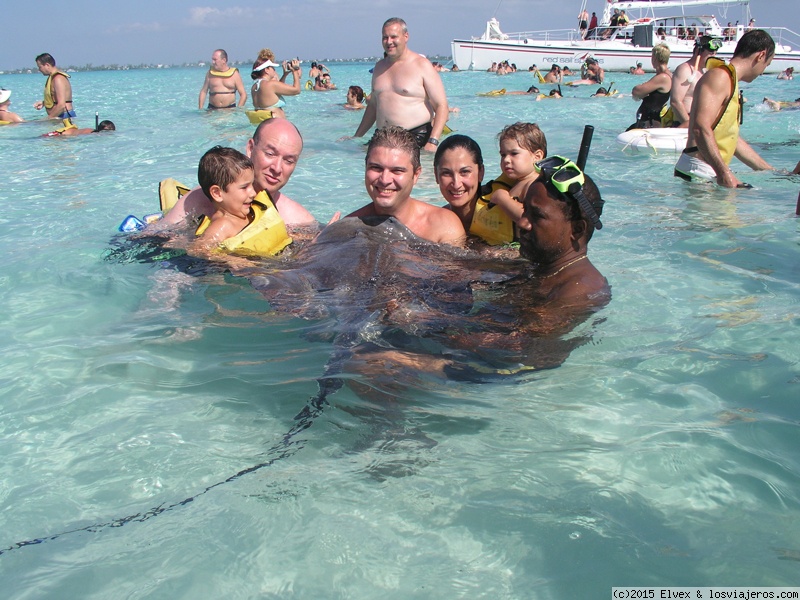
(619,48)
(654,141)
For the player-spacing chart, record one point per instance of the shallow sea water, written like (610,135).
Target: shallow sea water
(143,410)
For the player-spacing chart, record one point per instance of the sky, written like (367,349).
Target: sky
(90,32)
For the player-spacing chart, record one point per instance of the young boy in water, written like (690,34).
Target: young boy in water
(226,177)
(521,145)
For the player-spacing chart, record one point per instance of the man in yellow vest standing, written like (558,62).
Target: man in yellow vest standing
(57,89)
(717,113)
(222,84)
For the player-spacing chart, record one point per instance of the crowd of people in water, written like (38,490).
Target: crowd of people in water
(543,207)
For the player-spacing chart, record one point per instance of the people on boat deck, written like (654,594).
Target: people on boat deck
(714,138)
(268,91)
(226,177)
(274,150)
(406,91)
(787,74)
(57,89)
(654,93)
(392,168)
(521,146)
(685,79)
(592,25)
(355,98)
(6,116)
(583,22)
(221,84)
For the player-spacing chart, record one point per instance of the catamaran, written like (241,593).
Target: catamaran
(620,46)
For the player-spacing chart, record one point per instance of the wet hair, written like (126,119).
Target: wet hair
(394,137)
(572,209)
(601,91)
(527,135)
(105,126)
(661,53)
(221,166)
(357,92)
(454,141)
(754,41)
(223,53)
(46,59)
(396,21)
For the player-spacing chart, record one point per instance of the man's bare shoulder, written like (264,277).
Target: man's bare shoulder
(293,213)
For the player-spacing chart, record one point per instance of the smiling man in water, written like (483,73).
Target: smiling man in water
(392,169)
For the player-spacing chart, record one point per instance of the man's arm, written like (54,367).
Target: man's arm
(710,98)
(293,213)
(746,154)
(237,81)
(368,119)
(680,87)
(449,228)
(203,91)
(436,96)
(654,84)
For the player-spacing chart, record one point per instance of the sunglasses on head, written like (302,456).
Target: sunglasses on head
(568,180)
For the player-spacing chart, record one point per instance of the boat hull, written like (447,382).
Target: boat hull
(478,55)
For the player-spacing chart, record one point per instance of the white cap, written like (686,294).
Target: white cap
(265,64)
(4,95)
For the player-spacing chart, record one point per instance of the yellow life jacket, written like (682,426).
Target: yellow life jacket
(265,236)
(726,129)
(169,192)
(49,101)
(257,116)
(227,73)
(490,222)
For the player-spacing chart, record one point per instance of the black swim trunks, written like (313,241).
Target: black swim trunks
(211,107)
(422,134)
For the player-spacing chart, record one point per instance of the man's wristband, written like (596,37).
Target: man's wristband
(433,141)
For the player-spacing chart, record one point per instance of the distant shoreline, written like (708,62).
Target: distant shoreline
(198,65)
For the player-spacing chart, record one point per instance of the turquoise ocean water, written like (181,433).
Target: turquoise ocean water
(142,410)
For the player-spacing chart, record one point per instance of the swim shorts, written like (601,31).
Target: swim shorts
(422,134)
(689,167)
(67,114)
(210,107)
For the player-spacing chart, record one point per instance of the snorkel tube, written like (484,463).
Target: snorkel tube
(96,122)
(575,189)
(586,143)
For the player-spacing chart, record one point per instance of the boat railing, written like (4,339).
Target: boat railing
(547,35)
(785,37)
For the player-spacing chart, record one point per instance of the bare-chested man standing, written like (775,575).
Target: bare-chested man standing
(406,91)
(686,77)
(221,84)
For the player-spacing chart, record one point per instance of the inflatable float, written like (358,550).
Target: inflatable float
(654,141)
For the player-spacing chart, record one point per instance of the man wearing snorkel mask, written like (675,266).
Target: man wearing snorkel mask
(686,77)
(717,113)
(563,208)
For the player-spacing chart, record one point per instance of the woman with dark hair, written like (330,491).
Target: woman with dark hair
(458,168)
(355,98)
